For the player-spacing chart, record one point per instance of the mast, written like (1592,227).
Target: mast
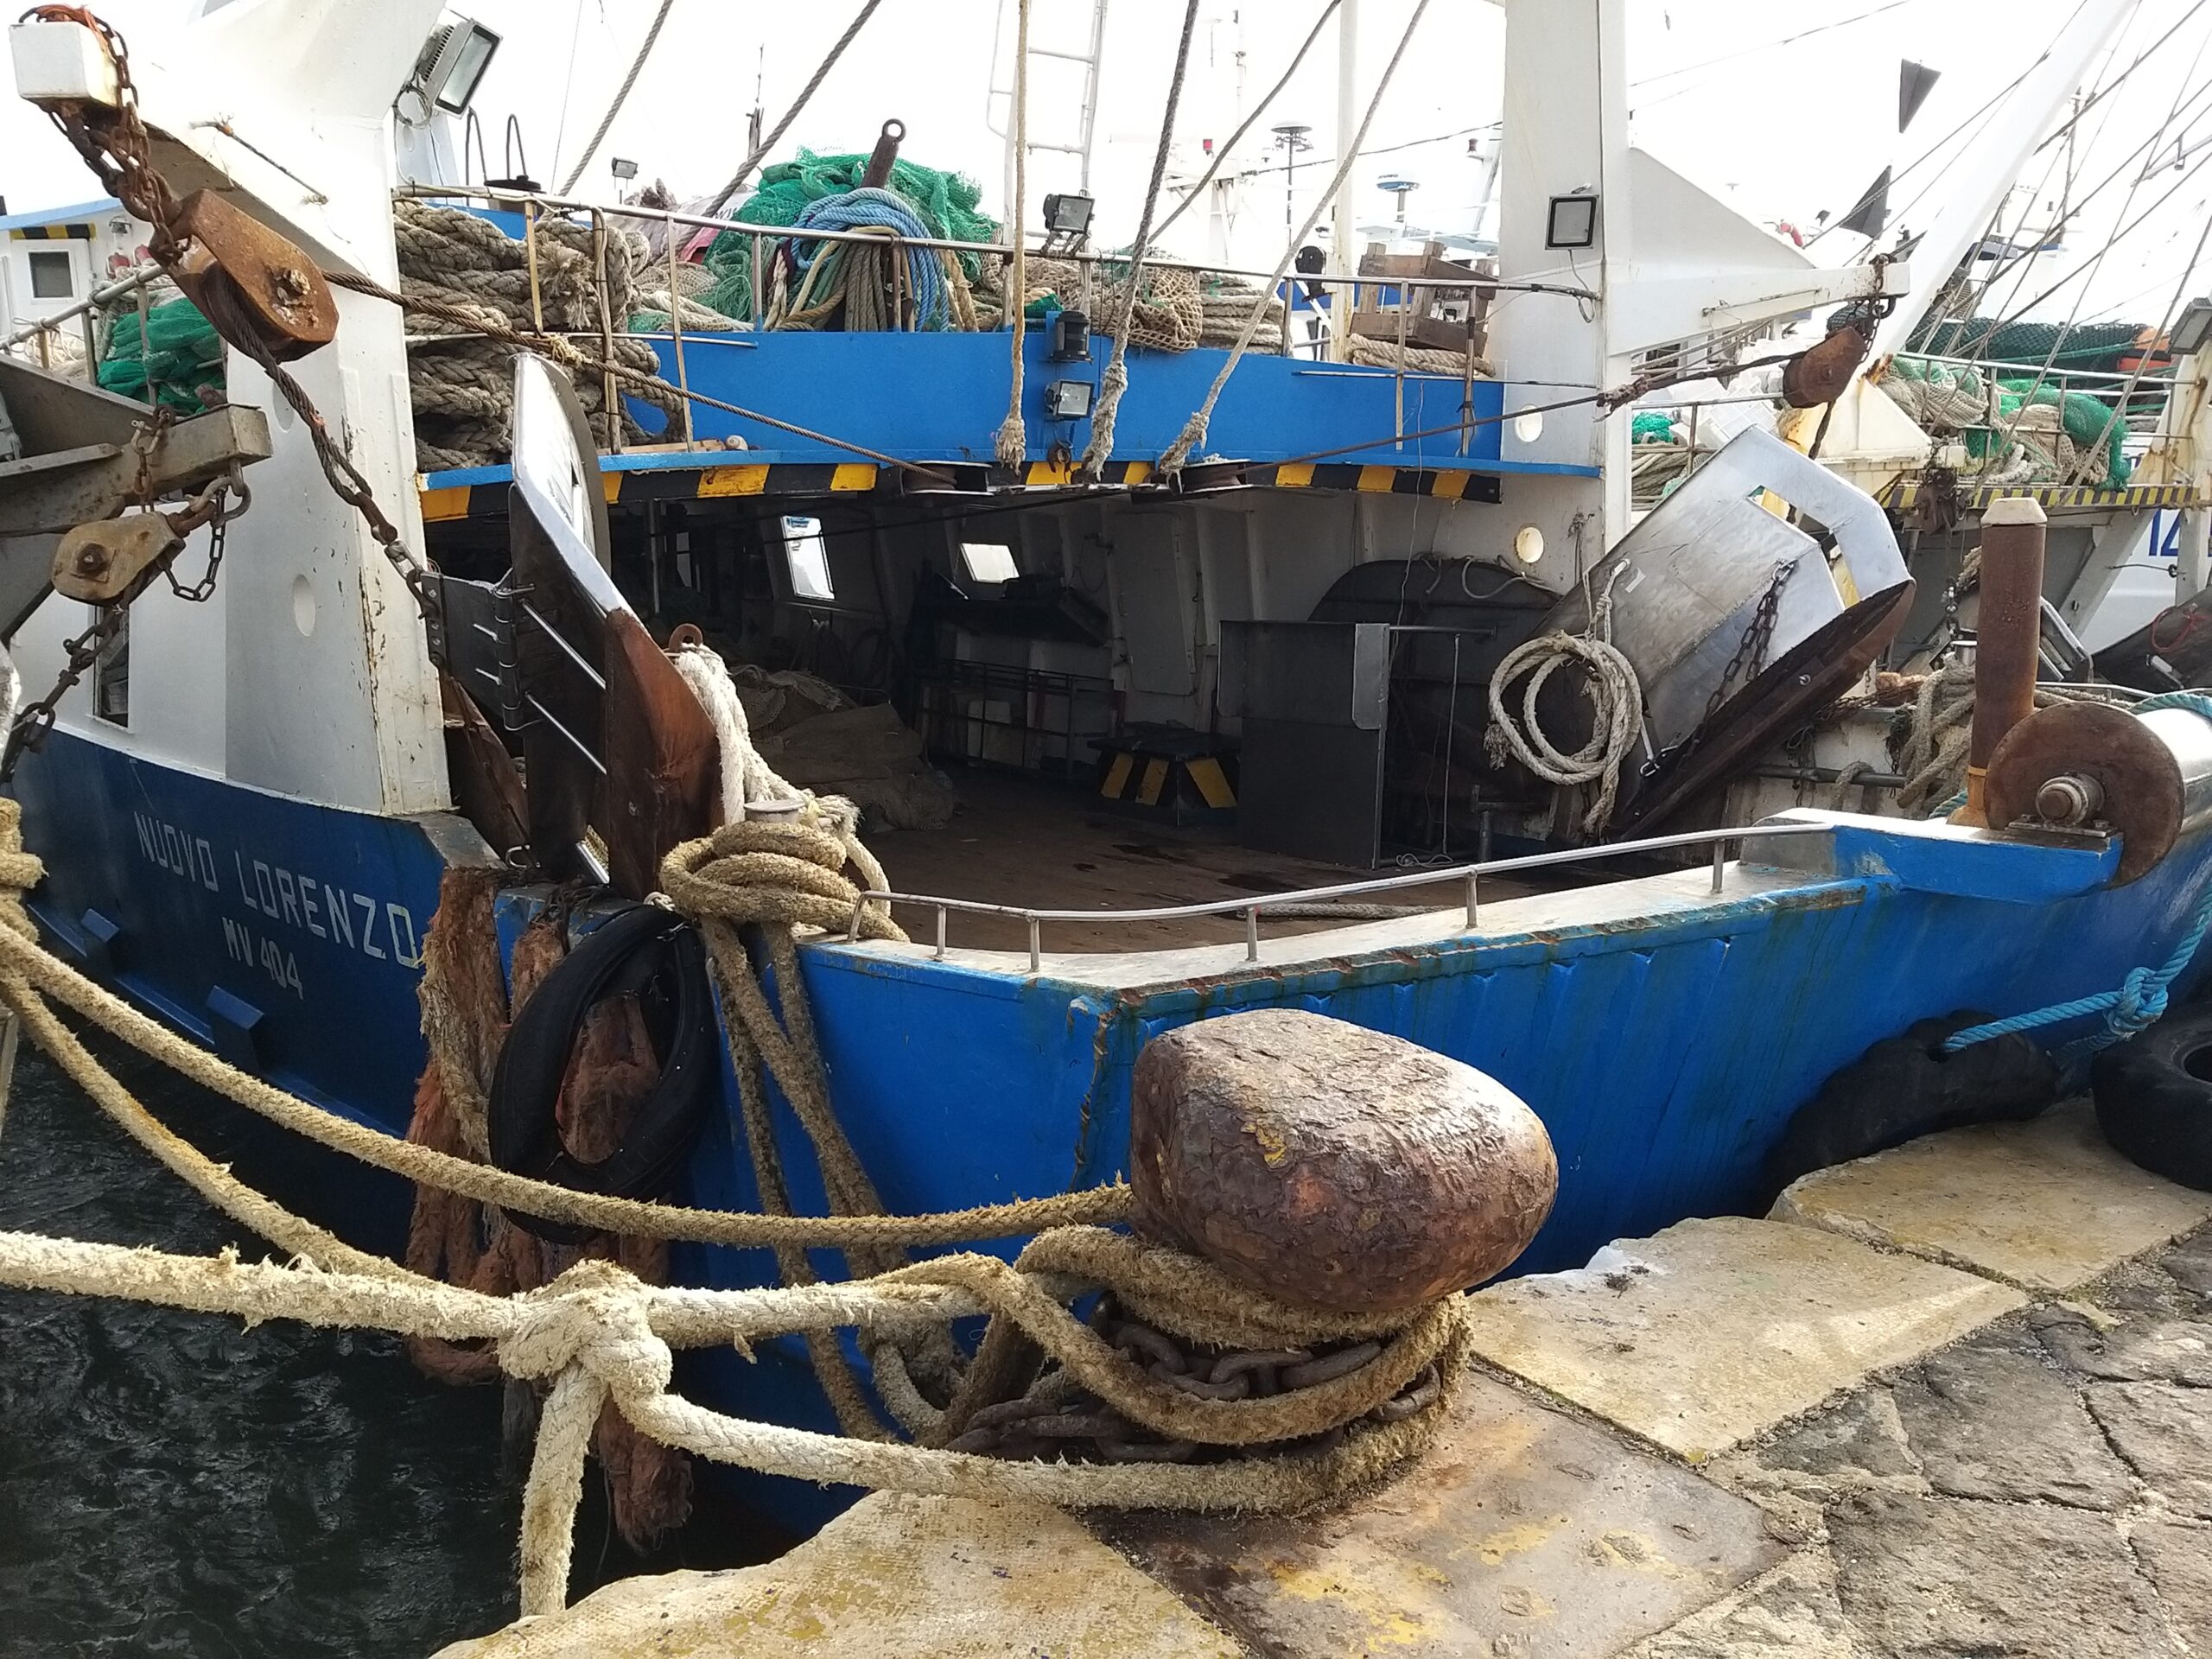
(1340,257)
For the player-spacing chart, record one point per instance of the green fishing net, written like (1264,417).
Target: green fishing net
(182,356)
(946,201)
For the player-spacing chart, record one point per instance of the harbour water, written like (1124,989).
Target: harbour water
(171,1483)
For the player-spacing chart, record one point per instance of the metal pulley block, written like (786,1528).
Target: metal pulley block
(101,563)
(243,274)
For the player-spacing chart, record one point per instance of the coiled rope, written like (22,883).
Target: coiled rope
(1616,698)
(2140,1001)
(843,285)
(1932,751)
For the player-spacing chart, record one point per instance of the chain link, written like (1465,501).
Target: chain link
(37,719)
(1751,650)
(115,146)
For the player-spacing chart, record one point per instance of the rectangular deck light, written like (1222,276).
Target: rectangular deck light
(2192,329)
(1573,222)
(1068,400)
(1068,215)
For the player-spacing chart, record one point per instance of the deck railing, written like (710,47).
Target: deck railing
(1466,876)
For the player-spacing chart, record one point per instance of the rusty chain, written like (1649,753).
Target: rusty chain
(118,150)
(115,146)
(1042,1424)
(37,719)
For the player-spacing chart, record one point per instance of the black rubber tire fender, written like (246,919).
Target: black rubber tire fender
(1904,1087)
(656,955)
(2154,1097)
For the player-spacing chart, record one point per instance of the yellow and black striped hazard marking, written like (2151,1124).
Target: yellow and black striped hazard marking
(81,231)
(1181,786)
(1911,493)
(714,480)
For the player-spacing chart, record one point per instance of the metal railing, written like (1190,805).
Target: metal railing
(1250,909)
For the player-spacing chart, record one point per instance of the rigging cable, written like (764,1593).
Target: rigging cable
(1013,445)
(1100,449)
(2154,144)
(1194,429)
(1975,297)
(2008,432)
(820,72)
(621,94)
(1245,125)
(1987,108)
(568,85)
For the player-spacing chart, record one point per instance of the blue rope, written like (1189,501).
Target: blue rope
(855,208)
(2140,1001)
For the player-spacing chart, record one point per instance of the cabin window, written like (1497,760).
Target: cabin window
(50,277)
(807,560)
(989,561)
(112,674)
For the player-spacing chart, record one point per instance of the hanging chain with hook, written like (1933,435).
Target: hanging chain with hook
(115,145)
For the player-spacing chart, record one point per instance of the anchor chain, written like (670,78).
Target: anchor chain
(1049,1423)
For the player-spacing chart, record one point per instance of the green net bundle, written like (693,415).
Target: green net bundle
(946,202)
(182,356)
(2090,422)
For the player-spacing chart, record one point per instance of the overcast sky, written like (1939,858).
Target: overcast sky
(1724,91)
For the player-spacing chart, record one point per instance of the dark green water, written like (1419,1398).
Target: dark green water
(171,1483)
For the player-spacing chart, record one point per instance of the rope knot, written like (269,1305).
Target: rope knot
(595,1315)
(2141,1002)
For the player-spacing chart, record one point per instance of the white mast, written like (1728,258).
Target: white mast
(1340,301)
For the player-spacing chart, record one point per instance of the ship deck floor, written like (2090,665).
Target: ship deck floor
(1046,844)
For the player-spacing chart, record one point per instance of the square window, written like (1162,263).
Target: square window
(989,561)
(51,278)
(807,560)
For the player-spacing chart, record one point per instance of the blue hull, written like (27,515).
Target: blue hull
(1665,1039)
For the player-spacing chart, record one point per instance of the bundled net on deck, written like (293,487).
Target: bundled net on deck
(946,203)
(180,355)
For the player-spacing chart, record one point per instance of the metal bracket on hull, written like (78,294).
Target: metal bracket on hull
(80,467)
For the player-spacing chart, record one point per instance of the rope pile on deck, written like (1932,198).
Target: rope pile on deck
(566,278)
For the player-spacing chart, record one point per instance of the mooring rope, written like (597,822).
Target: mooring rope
(2139,1003)
(598,1334)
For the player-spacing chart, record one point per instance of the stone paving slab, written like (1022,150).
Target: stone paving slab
(1940,1576)
(1996,1420)
(1524,1533)
(1712,1332)
(919,1578)
(2046,1204)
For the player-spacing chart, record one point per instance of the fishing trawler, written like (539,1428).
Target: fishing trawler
(1196,691)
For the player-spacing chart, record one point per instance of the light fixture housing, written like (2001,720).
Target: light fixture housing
(453,63)
(2192,329)
(1068,338)
(1068,400)
(1573,221)
(623,168)
(1068,213)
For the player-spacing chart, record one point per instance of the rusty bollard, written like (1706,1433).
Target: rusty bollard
(2008,639)
(1332,1165)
